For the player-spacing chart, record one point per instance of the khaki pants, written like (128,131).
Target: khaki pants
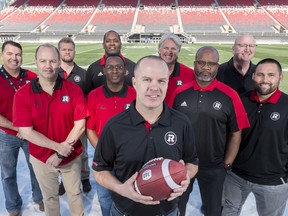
(47,177)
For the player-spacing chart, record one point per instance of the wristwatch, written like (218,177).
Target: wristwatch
(227,166)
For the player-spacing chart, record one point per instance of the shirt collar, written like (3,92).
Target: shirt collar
(210,87)
(235,72)
(22,71)
(137,119)
(273,99)
(176,71)
(36,87)
(122,93)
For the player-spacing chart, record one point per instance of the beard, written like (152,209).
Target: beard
(265,91)
(67,59)
(205,78)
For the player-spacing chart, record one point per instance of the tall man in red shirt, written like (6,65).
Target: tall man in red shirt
(12,77)
(50,113)
(103,103)
(71,71)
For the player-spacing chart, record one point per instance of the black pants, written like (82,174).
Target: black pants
(211,188)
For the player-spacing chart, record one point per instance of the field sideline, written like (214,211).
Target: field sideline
(88,53)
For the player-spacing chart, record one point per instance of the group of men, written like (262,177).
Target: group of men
(227,123)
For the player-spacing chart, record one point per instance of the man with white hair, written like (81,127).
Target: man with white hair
(169,47)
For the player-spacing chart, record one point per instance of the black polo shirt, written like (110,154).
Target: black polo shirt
(230,76)
(214,112)
(263,153)
(95,76)
(77,75)
(126,144)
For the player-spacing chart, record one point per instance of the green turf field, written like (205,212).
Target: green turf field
(88,53)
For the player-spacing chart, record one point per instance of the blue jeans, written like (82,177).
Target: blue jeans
(270,199)
(105,200)
(9,151)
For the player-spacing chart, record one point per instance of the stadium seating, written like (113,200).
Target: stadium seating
(185,3)
(119,19)
(235,3)
(86,3)
(157,3)
(26,19)
(53,3)
(18,3)
(6,12)
(70,19)
(157,19)
(272,2)
(249,19)
(280,14)
(116,3)
(201,19)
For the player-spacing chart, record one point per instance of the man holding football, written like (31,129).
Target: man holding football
(148,129)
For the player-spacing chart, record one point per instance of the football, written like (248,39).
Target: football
(158,178)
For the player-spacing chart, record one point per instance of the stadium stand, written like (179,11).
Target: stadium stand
(18,3)
(5,13)
(53,3)
(157,3)
(272,2)
(249,19)
(201,19)
(137,19)
(235,3)
(71,19)
(280,14)
(77,3)
(119,19)
(26,19)
(189,3)
(157,19)
(116,3)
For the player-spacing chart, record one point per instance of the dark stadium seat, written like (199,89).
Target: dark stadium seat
(235,3)
(185,3)
(117,3)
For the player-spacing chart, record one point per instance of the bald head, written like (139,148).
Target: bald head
(147,62)
(205,49)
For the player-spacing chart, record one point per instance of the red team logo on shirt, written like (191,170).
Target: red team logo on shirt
(65,99)
(170,138)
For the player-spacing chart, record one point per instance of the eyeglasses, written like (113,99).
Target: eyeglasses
(209,64)
(116,67)
(246,45)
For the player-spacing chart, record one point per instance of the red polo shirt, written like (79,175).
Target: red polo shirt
(52,115)
(102,104)
(181,75)
(7,93)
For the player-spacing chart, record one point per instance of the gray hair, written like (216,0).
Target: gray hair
(172,37)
